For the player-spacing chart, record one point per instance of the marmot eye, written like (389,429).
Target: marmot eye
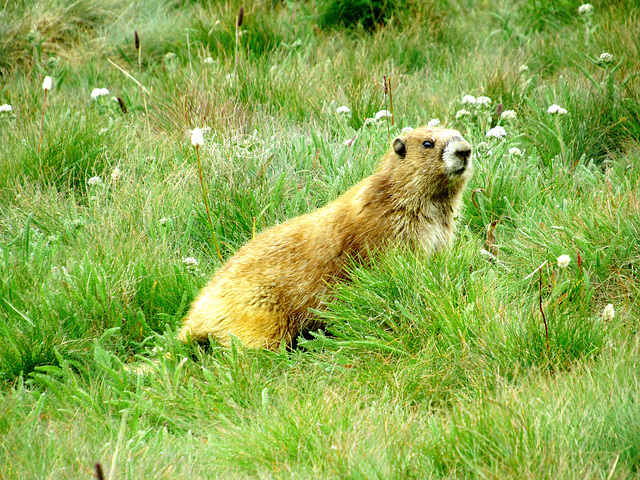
(428,144)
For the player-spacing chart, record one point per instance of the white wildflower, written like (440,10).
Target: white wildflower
(462,113)
(523,68)
(585,9)
(94,181)
(5,108)
(170,56)
(191,263)
(197,138)
(605,58)
(483,102)
(556,110)
(482,147)
(208,60)
(509,115)
(382,114)
(46,84)
(469,100)
(434,122)
(349,141)
(497,132)
(116,174)
(563,261)
(515,151)
(369,121)
(99,92)
(343,110)
(406,130)
(609,312)
(163,221)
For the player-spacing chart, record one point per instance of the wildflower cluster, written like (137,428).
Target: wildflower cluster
(563,261)
(609,312)
(585,9)
(191,263)
(379,116)
(508,115)
(116,174)
(605,58)
(556,110)
(99,92)
(197,137)
(515,152)
(94,181)
(497,132)
(477,110)
(586,12)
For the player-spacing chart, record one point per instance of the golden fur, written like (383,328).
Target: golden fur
(263,294)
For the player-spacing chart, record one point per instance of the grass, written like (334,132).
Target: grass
(431,366)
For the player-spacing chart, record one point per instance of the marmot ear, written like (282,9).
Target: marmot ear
(399,146)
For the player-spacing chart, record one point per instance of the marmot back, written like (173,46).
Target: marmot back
(263,294)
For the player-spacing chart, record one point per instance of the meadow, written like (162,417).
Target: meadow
(514,354)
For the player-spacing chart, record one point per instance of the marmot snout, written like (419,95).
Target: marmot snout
(263,294)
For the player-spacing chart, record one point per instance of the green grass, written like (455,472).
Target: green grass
(430,366)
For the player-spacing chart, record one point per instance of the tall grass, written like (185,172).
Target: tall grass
(428,365)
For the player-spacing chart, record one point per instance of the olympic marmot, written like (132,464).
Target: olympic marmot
(263,294)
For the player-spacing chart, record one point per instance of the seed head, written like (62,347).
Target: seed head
(123,107)
(197,138)
(136,39)
(240,16)
(46,84)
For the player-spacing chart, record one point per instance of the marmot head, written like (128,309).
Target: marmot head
(430,162)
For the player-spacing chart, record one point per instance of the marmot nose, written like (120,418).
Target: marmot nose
(463,153)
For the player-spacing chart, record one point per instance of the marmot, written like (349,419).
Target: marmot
(263,294)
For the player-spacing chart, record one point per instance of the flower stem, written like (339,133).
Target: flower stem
(563,149)
(42,120)
(206,205)
(544,318)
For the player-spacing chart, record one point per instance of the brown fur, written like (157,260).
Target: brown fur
(263,294)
